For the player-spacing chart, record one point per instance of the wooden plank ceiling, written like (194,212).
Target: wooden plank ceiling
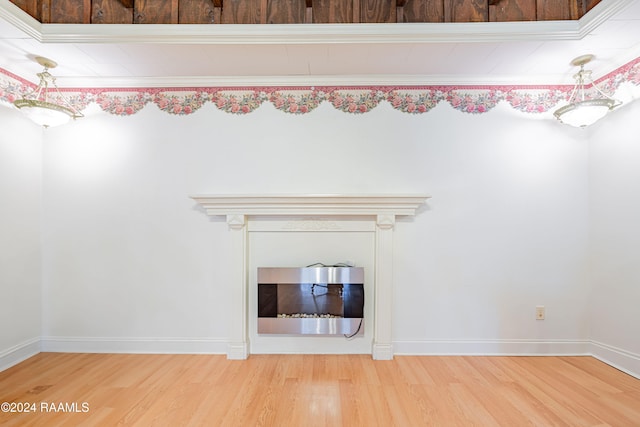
(300,11)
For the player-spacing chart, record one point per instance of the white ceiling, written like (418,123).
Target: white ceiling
(362,54)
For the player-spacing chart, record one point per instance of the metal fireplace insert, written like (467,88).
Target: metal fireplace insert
(311,300)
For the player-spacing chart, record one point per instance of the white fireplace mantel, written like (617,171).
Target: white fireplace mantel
(314,204)
(381,209)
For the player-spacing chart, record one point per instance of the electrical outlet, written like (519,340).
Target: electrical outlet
(540,312)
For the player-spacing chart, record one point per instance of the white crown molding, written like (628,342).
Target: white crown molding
(315,34)
(313,204)
(20,19)
(600,13)
(311,33)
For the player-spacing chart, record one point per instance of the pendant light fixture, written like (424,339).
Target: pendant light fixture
(40,106)
(585,109)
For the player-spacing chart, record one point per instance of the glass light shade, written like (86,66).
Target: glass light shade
(45,113)
(36,105)
(584,113)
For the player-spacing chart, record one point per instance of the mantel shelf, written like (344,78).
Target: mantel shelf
(311,204)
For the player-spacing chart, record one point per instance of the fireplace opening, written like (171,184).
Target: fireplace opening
(311,300)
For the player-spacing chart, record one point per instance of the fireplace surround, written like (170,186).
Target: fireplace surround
(373,215)
(318,300)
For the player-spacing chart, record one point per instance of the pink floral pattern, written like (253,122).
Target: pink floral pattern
(633,74)
(238,102)
(122,104)
(534,101)
(295,100)
(473,101)
(627,73)
(180,103)
(79,100)
(10,91)
(13,87)
(356,101)
(415,102)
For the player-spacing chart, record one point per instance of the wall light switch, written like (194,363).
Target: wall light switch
(540,312)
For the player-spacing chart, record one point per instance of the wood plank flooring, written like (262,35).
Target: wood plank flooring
(316,390)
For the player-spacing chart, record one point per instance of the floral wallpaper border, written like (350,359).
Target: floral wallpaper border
(302,100)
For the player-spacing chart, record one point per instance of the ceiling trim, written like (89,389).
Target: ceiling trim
(20,19)
(311,33)
(314,34)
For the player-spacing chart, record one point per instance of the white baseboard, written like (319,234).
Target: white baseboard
(18,353)
(134,345)
(237,351)
(623,360)
(493,347)
(620,359)
(382,351)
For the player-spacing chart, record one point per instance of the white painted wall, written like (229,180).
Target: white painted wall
(131,264)
(505,231)
(524,212)
(20,255)
(614,207)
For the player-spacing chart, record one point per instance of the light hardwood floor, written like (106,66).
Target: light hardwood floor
(318,390)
